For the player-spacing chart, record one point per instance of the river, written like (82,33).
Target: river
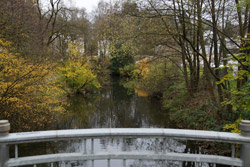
(112,107)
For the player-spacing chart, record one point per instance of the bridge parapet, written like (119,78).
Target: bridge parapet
(4,148)
(92,134)
(245,148)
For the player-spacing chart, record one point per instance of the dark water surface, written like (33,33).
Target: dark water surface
(113,107)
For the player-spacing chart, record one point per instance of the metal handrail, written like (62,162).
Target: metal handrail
(180,157)
(197,135)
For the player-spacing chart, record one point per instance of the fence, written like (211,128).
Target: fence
(7,139)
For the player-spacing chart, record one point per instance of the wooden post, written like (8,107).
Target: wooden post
(245,148)
(4,148)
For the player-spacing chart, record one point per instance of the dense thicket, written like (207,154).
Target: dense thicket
(206,40)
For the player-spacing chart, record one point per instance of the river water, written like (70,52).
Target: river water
(113,107)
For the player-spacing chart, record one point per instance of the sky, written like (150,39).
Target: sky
(89,5)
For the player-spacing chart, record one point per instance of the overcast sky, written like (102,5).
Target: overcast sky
(87,4)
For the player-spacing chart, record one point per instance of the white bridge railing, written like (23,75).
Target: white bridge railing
(7,139)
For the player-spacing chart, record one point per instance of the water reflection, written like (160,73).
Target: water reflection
(116,107)
(112,107)
(149,145)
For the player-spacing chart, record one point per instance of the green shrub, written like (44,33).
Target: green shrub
(127,71)
(191,112)
(120,58)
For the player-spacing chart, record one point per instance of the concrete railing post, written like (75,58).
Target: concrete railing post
(4,148)
(245,148)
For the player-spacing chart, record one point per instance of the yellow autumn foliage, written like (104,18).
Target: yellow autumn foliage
(29,97)
(142,68)
(76,74)
(234,128)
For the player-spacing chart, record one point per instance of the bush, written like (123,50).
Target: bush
(120,58)
(175,98)
(29,98)
(151,77)
(191,113)
(76,74)
(127,71)
(76,77)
